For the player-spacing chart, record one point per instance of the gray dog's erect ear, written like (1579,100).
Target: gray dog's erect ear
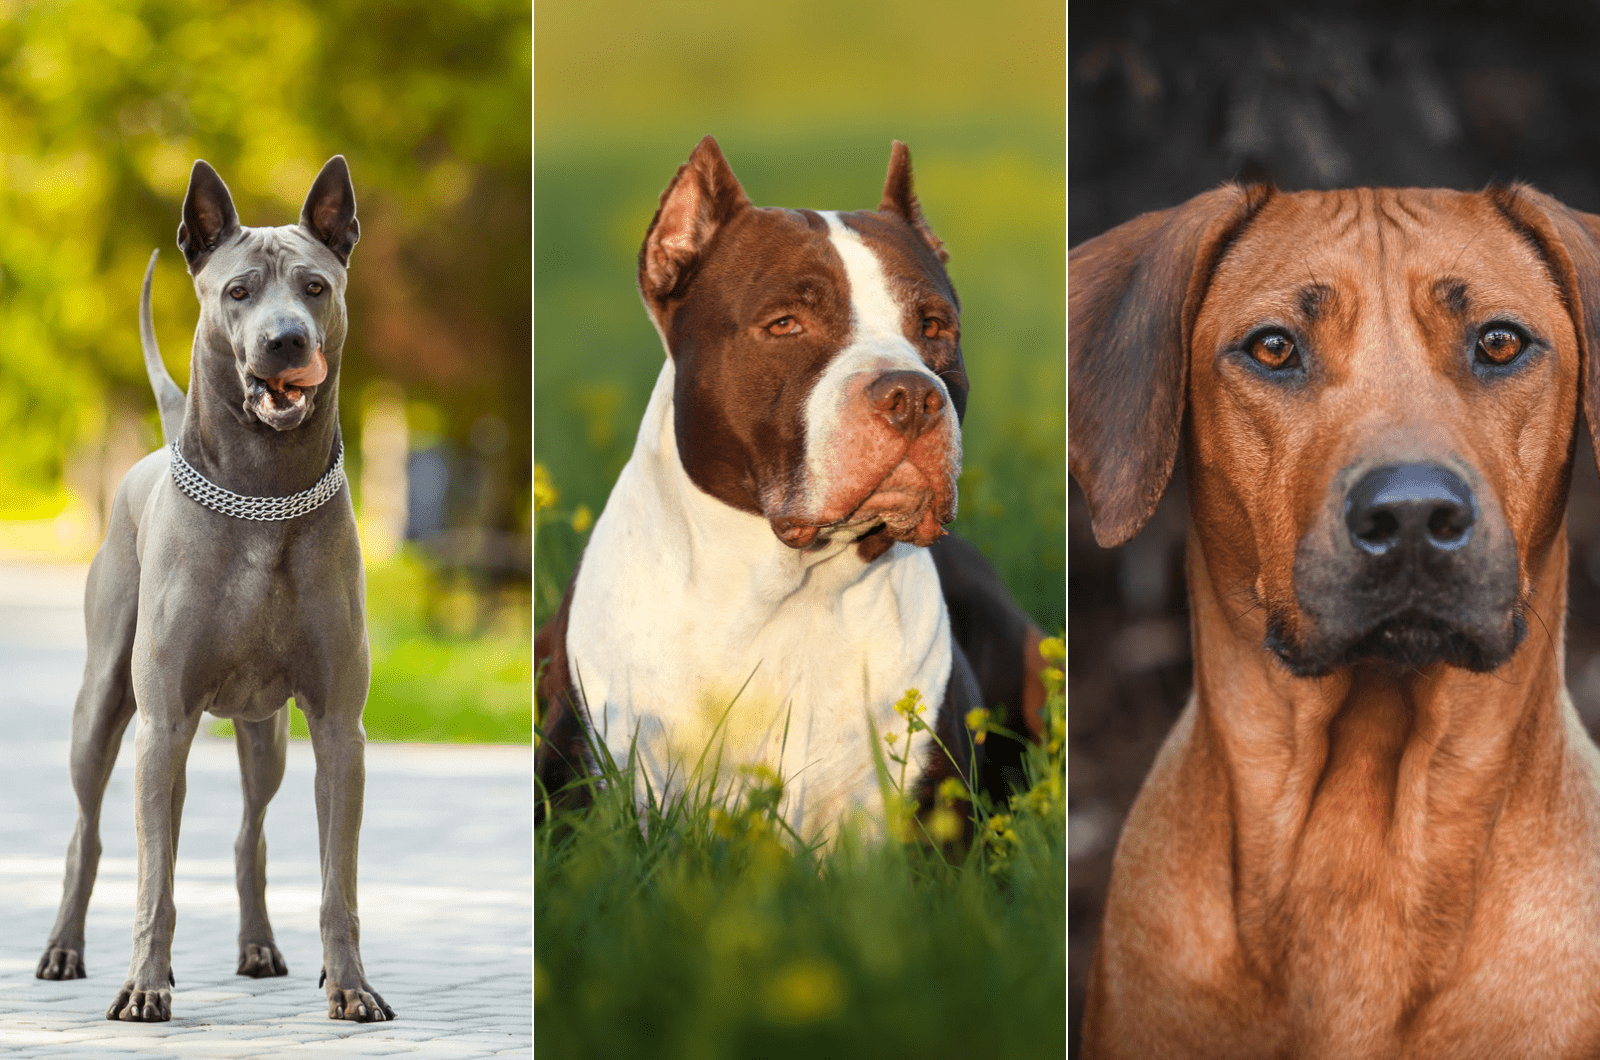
(1132,298)
(703,196)
(900,200)
(330,209)
(1570,240)
(209,219)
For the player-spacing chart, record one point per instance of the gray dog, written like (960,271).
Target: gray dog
(230,579)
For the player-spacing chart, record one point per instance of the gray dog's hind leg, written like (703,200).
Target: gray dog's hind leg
(100,717)
(262,749)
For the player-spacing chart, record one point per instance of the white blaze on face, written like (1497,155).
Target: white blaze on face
(877,345)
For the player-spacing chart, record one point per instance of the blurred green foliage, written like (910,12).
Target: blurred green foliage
(804,101)
(104,105)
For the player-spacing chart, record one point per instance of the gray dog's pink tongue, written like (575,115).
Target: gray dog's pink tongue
(311,375)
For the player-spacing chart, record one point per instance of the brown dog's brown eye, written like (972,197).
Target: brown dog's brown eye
(930,327)
(1275,350)
(238,293)
(313,288)
(1500,345)
(784,326)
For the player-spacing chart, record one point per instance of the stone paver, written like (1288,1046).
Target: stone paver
(445,883)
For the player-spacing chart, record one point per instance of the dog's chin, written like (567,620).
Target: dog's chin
(282,410)
(906,506)
(1410,639)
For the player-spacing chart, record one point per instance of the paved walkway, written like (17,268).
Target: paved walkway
(446,883)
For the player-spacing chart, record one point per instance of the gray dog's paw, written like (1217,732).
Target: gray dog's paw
(61,962)
(141,1006)
(261,960)
(361,1004)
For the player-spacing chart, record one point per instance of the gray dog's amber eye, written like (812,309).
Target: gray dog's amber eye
(1500,345)
(238,293)
(313,288)
(1275,350)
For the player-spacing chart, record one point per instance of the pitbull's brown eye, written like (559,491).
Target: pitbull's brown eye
(784,326)
(930,327)
(313,288)
(1275,350)
(238,294)
(1500,345)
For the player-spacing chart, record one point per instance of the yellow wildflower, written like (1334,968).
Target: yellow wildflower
(545,494)
(582,518)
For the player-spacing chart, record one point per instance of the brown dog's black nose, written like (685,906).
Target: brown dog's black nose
(908,400)
(1419,508)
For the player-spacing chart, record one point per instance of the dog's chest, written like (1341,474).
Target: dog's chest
(255,615)
(697,639)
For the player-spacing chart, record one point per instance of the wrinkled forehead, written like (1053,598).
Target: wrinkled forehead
(773,249)
(1382,249)
(908,263)
(275,251)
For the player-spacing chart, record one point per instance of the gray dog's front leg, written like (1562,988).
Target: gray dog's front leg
(340,747)
(263,747)
(161,748)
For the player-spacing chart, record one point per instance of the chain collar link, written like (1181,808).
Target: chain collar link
(260,509)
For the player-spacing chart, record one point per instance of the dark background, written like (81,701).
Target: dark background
(1168,99)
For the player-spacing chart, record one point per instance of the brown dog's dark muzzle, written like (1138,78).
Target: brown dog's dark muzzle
(1414,575)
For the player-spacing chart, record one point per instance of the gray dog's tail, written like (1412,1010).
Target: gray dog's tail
(169,399)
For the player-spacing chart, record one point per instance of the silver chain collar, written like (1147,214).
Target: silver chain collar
(260,509)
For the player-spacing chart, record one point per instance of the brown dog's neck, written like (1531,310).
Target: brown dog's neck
(1364,803)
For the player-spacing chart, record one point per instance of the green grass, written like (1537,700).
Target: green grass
(436,678)
(697,929)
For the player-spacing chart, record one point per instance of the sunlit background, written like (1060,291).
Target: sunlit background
(104,106)
(805,99)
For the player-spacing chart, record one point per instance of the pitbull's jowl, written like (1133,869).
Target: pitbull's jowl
(229,581)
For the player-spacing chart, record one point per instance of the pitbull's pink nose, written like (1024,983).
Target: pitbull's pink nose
(908,401)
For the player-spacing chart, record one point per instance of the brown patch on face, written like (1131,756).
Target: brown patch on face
(1406,283)
(740,390)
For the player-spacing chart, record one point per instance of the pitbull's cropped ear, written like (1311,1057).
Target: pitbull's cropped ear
(900,200)
(209,219)
(1132,298)
(703,196)
(330,209)
(1570,240)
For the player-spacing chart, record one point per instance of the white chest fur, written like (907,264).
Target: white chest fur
(681,601)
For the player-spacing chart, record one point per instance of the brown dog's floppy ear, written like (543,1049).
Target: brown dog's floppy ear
(1132,297)
(703,196)
(1570,240)
(900,200)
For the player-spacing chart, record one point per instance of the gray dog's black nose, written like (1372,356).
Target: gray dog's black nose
(295,338)
(1421,507)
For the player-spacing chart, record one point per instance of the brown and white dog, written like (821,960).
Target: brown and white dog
(1375,830)
(759,581)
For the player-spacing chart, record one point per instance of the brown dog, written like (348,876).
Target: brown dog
(1375,830)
